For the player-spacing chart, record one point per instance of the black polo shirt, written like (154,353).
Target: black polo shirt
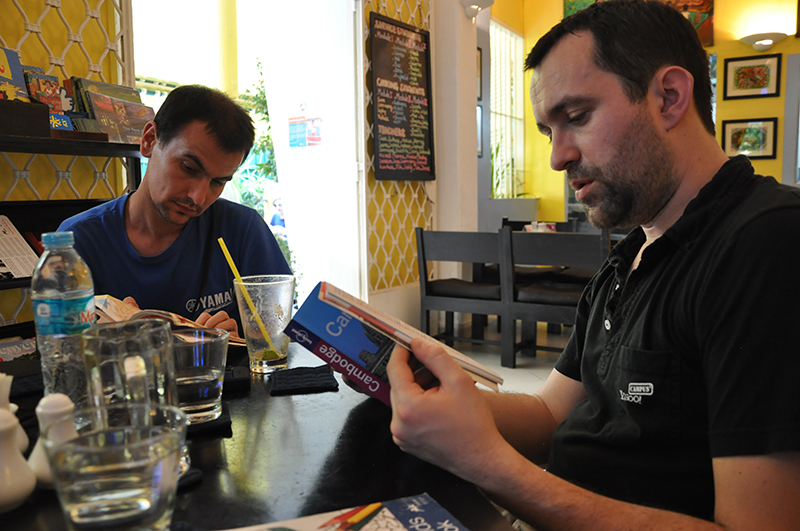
(695,355)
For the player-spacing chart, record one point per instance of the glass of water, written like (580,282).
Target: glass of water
(200,356)
(117,467)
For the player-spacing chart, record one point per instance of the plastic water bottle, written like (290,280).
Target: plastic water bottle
(63,307)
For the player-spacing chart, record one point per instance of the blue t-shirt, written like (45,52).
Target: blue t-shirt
(171,280)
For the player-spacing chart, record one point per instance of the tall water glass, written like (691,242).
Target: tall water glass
(200,356)
(130,361)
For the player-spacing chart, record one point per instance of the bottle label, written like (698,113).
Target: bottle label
(63,317)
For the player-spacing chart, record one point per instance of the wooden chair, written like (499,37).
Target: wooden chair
(551,297)
(453,295)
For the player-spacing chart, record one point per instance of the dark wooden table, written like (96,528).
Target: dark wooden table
(292,456)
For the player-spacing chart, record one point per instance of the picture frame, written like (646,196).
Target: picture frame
(754,76)
(480,79)
(479,120)
(756,137)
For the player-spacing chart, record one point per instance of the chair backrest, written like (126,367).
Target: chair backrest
(475,247)
(566,249)
(514,224)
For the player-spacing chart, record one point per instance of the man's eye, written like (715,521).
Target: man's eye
(578,118)
(188,168)
(219,182)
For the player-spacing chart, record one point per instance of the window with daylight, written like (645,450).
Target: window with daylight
(507,116)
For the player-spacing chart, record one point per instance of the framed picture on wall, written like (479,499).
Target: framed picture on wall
(754,138)
(479,120)
(755,76)
(480,64)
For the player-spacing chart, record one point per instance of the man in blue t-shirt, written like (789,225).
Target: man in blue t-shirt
(157,247)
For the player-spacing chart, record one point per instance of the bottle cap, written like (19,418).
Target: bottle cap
(58,239)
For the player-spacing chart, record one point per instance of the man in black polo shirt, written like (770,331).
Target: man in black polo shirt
(675,404)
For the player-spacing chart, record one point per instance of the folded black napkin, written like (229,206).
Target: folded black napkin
(219,427)
(303,380)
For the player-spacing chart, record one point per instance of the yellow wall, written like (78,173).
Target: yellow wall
(732,20)
(510,13)
(540,180)
(42,176)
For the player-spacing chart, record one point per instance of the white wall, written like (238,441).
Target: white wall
(308,52)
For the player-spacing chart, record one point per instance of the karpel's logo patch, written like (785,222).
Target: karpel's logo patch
(636,390)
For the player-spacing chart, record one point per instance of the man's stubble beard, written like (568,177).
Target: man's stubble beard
(635,185)
(165,214)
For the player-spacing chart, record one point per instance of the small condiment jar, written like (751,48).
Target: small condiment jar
(17,480)
(50,407)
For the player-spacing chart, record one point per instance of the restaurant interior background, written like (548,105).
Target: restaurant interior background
(343,225)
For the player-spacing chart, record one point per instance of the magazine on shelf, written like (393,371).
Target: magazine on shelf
(12,80)
(110,309)
(357,339)
(413,513)
(17,258)
(122,120)
(81,86)
(44,89)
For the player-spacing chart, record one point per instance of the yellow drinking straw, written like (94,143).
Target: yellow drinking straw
(246,295)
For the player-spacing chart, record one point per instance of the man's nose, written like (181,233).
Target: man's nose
(564,151)
(199,191)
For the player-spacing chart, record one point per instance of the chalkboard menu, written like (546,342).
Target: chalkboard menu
(401,101)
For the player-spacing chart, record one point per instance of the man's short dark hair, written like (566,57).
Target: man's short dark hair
(633,39)
(227,121)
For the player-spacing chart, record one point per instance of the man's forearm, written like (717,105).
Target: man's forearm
(549,503)
(525,422)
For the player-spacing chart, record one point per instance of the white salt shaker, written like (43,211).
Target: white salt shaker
(17,480)
(5,390)
(50,407)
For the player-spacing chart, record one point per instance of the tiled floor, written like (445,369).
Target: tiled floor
(530,372)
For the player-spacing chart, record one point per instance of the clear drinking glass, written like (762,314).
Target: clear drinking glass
(132,362)
(117,466)
(265,306)
(200,356)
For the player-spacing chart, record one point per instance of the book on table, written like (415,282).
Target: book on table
(110,310)
(357,339)
(412,513)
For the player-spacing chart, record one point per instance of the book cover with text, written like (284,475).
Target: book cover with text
(412,513)
(12,80)
(343,342)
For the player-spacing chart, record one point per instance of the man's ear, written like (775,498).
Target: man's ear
(149,139)
(674,89)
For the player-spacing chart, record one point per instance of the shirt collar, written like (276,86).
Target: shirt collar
(714,199)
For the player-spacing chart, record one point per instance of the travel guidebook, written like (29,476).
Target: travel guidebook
(110,310)
(414,513)
(357,340)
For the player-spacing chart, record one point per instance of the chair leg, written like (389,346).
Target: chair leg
(478,324)
(554,328)
(425,322)
(528,332)
(508,338)
(499,330)
(449,328)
